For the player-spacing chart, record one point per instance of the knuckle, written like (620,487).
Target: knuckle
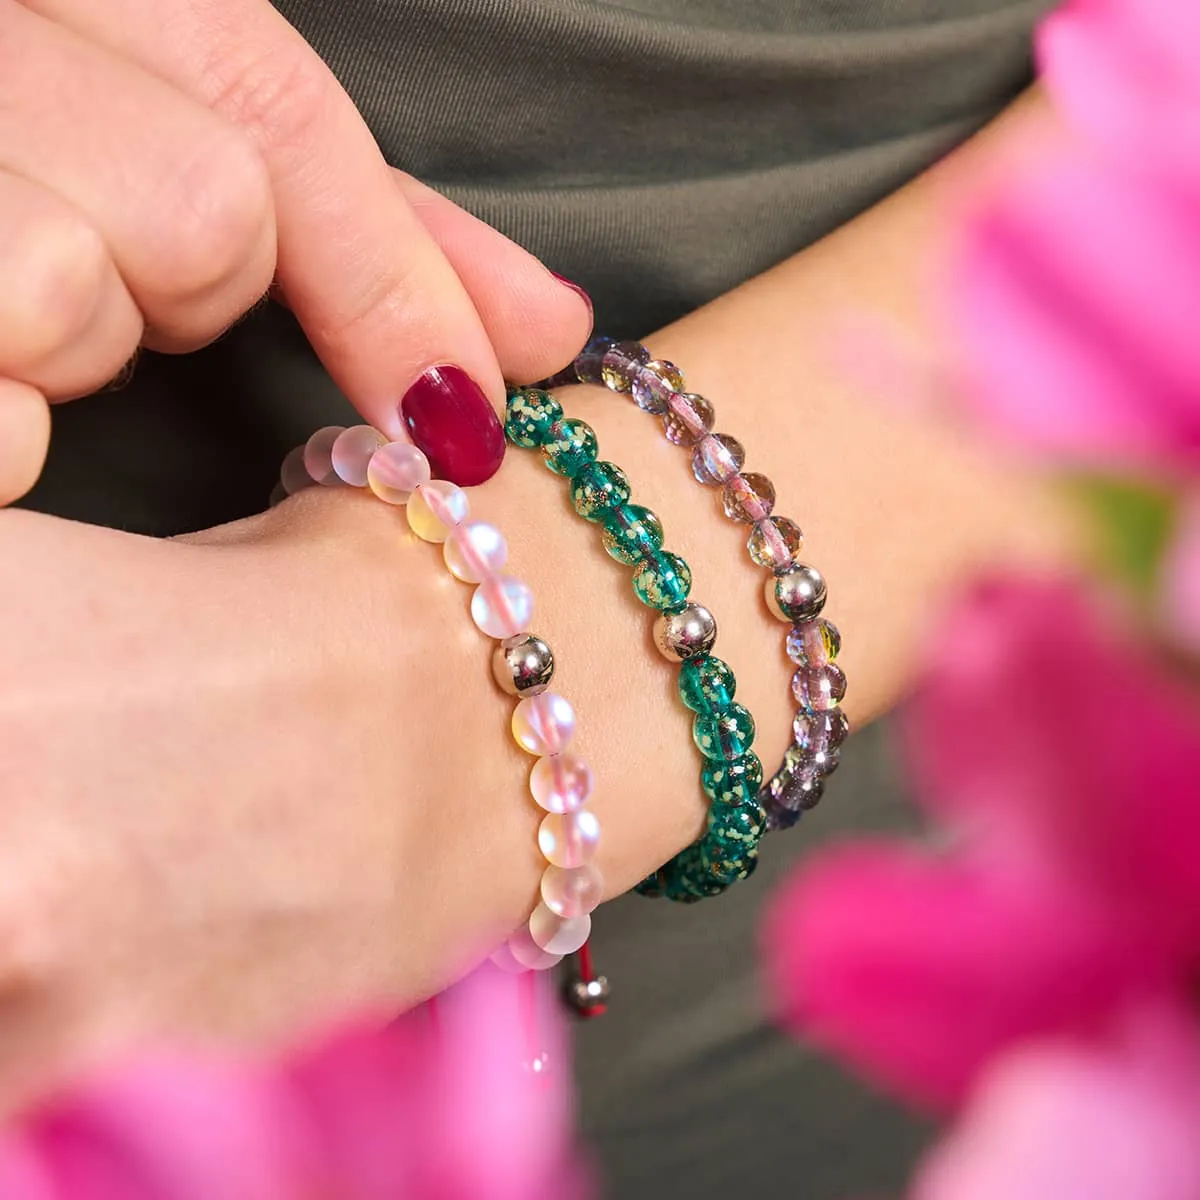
(54,271)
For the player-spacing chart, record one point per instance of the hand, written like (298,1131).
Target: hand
(193,151)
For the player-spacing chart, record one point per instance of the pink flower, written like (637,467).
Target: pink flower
(447,1111)
(1068,767)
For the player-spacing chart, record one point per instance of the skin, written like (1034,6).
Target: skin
(258,775)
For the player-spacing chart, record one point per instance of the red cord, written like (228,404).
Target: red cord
(587,972)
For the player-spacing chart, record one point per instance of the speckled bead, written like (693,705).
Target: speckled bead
(654,383)
(736,781)
(818,732)
(819,689)
(570,445)
(717,459)
(724,735)
(598,488)
(529,416)
(631,533)
(662,581)
(707,684)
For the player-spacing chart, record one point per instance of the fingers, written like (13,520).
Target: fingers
(377,298)
(536,323)
(179,196)
(67,322)
(24,437)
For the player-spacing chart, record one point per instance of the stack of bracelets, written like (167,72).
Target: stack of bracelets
(741,806)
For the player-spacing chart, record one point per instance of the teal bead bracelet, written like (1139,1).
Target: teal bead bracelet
(684,632)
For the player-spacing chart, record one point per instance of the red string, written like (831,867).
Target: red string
(587,972)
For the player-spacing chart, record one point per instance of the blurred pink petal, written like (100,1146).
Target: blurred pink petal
(1180,582)
(1070,1123)
(917,971)
(1051,735)
(1125,71)
(1074,297)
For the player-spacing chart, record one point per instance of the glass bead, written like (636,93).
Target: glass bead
(774,543)
(589,364)
(724,735)
(797,595)
(529,416)
(819,689)
(292,474)
(571,445)
(572,891)
(597,488)
(748,498)
(528,954)
(813,643)
(706,684)
(396,471)
(544,724)
(318,451)
(632,533)
(662,581)
(569,839)
(733,782)
(780,819)
(352,451)
(561,783)
(503,958)
(687,418)
(621,363)
(435,508)
(558,935)
(802,792)
(654,384)
(474,551)
(820,732)
(278,495)
(502,606)
(717,458)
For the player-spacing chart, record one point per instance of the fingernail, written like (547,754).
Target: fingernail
(450,419)
(576,289)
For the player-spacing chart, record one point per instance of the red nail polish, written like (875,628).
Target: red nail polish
(450,419)
(575,288)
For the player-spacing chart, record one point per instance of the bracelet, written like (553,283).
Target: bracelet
(795,591)
(684,633)
(543,722)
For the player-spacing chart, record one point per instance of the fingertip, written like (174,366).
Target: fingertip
(24,438)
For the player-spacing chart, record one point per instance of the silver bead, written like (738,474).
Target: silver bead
(523,665)
(686,634)
(586,994)
(797,595)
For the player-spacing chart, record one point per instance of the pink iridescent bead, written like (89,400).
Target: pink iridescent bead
(717,458)
(558,935)
(561,783)
(318,451)
(293,476)
(688,418)
(474,551)
(654,384)
(352,452)
(749,498)
(620,364)
(569,839)
(528,954)
(572,891)
(774,543)
(435,508)
(396,471)
(544,724)
(502,607)
(502,957)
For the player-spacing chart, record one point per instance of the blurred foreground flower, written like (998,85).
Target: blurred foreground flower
(422,1110)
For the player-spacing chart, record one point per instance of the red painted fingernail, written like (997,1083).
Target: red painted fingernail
(450,419)
(576,289)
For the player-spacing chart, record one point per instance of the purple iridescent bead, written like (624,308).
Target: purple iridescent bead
(819,689)
(819,733)
(774,543)
(688,418)
(813,643)
(621,364)
(655,384)
(591,360)
(717,458)
(749,498)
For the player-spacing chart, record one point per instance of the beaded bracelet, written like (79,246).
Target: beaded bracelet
(543,722)
(684,632)
(795,591)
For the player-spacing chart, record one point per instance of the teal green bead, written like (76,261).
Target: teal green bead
(735,782)
(529,417)
(706,684)
(569,446)
(726,866)
(662,581)
(597,488)
(725,735)
(632,533)
(652,886)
